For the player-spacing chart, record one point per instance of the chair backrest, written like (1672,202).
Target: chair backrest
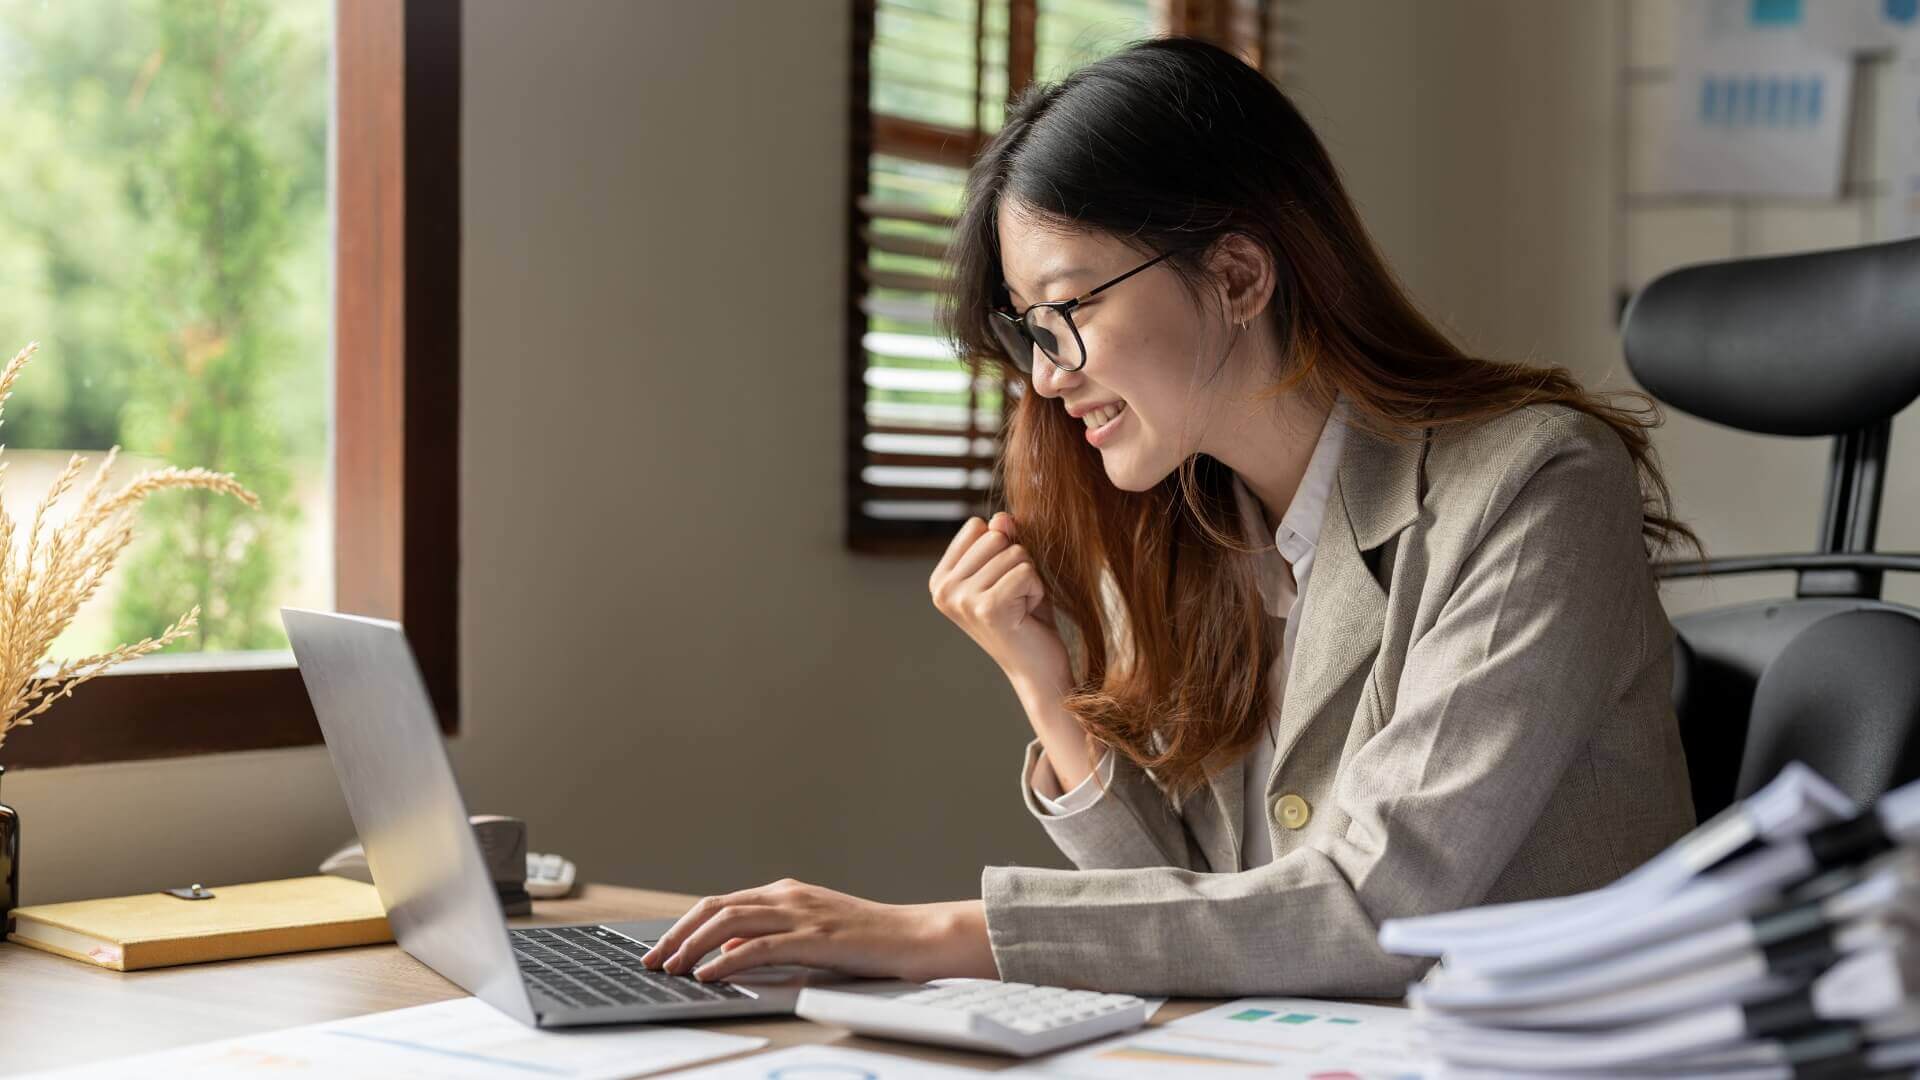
(1843,697)
(1720,657)
(1819,344)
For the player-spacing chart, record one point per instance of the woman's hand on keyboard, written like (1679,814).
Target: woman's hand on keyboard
(791,922)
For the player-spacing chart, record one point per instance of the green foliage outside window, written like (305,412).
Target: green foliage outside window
(164,233)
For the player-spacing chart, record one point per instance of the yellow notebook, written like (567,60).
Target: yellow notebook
(156,929)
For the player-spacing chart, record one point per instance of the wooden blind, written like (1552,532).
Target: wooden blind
(931,81)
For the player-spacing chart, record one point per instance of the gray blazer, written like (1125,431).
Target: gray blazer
(1479,710)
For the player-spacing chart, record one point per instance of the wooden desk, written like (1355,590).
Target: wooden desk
(55,1011)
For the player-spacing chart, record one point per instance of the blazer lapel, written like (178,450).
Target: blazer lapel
(1342,612)
(1225,840)
(1345,606)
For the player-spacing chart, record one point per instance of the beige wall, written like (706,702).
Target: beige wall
(1352,71)
(670,665)
(1475,137)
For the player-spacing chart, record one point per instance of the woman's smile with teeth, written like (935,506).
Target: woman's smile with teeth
(1100,416)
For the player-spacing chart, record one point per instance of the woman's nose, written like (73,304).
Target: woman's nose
(1048,379)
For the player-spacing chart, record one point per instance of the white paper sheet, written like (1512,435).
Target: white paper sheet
(829,1063)
(1759,103)
(1758,120)
(1289,1038)
(464,1038)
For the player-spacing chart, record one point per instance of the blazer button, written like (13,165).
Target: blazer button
(1291,811)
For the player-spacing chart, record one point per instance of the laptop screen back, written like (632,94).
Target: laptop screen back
(381,733)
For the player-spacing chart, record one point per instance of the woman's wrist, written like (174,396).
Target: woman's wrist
(1045,706)
(1038,691)
(1059,732)
(952,942)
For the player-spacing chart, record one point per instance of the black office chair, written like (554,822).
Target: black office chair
(1821,344)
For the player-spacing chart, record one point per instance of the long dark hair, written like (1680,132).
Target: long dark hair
(1171,145)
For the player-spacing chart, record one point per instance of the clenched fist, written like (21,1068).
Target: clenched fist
(988,585)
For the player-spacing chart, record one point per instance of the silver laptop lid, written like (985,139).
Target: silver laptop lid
(380,730)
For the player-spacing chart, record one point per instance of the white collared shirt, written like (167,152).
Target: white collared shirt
(1281,574)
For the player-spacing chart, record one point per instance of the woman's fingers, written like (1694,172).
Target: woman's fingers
(1021,581)
(735,920)
(759,952)
(962,540)
(791,922)
(1027,649)
(996,568)
(989,544)
(697,915)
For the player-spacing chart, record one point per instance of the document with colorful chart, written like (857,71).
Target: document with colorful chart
(1289,1038)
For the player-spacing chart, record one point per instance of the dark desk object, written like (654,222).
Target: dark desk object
(1825,344)
(9,861)
(56,1012)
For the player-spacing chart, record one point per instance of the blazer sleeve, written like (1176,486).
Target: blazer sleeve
(1046,785)
(1131,823)
(1531,645)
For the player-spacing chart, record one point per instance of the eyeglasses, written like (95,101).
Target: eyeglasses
(1049,325)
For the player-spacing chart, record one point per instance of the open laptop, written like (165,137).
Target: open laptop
(380,730)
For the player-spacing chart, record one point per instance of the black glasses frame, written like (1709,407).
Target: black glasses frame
(1020,323)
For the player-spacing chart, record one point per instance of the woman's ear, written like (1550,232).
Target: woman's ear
(1246,273)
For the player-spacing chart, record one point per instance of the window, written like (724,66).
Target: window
(931,79)
(234,225)
(167,235)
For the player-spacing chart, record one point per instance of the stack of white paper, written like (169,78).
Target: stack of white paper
(1778,940)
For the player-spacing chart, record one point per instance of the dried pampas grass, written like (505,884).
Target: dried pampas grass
(46,575)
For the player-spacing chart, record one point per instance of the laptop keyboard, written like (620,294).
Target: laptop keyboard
(591,965)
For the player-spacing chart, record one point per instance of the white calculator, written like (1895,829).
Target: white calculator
(978,1014)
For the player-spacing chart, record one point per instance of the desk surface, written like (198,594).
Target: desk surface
(55,1011)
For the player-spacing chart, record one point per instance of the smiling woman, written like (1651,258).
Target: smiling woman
(930,83)
(1322,621)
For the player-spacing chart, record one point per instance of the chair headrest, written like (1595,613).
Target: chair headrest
(1816,344)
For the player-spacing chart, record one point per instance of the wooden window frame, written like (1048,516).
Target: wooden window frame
(1245,23)
(396,423)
